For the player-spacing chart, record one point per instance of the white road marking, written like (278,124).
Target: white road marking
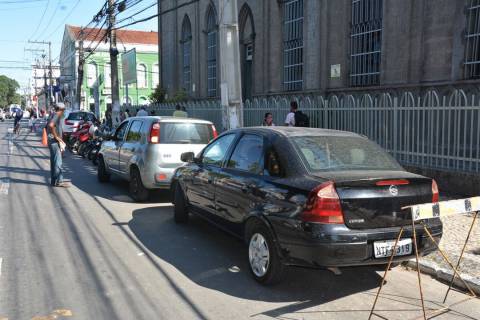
(4,186)
(1,260)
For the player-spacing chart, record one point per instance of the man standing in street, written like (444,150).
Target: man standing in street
(56,146)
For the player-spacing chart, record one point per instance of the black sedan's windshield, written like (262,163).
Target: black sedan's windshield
(339,153)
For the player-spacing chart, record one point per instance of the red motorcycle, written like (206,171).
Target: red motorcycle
(79,137)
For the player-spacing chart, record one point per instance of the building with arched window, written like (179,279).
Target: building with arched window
(96,84)
(324,46)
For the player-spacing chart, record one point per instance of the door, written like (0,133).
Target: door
(130,147)
(201,192)
(239,187)
(111,152)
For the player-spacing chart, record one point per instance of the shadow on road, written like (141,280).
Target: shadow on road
(214,259)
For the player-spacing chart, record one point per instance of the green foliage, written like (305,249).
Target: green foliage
(8,94)
(179,96)
(157,96)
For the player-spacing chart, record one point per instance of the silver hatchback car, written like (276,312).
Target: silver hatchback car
(146,151)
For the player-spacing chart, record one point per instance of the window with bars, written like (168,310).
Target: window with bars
(366,42)
(186,54)
(472,40)
(212,34)
(293,45)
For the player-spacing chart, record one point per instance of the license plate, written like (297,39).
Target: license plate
(383,249)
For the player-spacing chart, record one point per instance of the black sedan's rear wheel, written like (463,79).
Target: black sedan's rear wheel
(263,258)
(180,212)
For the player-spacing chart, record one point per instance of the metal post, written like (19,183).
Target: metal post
(230,76)
(418,267)
(386,272)
(113,64)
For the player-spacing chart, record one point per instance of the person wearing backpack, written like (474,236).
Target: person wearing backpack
(296,118)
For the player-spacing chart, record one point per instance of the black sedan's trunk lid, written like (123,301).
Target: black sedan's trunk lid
(374,199)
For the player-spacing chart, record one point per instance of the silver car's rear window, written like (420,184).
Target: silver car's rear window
(180,133)
(330,153)
(75,116)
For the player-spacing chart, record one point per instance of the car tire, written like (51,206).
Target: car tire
(137,190)
(261,247)
(180,211)
(102,174)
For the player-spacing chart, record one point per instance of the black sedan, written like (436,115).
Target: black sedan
(304,197)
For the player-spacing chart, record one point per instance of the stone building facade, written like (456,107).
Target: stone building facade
(323,46)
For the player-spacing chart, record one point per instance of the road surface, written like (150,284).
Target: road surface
(89,252)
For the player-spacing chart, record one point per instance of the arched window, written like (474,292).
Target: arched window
(187,54)
(293,45)
(142,76)
(92,74)
(212,39)
(155,76)
(107,76)
(247,47)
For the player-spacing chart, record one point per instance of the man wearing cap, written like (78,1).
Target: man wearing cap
(56,146)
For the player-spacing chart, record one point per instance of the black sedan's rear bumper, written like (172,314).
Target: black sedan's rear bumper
(338,246)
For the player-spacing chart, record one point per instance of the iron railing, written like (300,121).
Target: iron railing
(439,131)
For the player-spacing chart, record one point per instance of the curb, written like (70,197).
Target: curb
(445,275)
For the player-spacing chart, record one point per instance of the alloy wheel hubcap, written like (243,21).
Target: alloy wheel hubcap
(259,255)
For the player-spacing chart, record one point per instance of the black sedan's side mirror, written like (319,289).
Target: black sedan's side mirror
(188,157)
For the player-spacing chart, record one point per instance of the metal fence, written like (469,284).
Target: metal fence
(433,130)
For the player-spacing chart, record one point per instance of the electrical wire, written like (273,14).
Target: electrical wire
(50,20)
(41,20)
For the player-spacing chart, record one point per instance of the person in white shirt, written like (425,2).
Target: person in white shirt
(142,112)
(290,119)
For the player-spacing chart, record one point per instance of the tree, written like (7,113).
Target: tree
(157,96)
(8,91)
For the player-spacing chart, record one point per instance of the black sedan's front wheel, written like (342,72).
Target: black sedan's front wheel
(264,261)
(180,212)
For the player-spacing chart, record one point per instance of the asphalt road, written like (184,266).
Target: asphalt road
(89,252)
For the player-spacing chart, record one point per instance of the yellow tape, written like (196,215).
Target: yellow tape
(444,208)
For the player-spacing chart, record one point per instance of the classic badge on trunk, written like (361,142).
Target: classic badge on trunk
(393,190)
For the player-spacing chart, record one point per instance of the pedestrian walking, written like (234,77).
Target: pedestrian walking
(142,112)
(268,120)
(296,118)
(56,146)
(108,117)
(179,113)
(31,122)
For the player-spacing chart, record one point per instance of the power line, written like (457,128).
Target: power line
(51,19)
(41,20)
(65,19)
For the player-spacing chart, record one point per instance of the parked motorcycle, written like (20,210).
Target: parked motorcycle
(79,137)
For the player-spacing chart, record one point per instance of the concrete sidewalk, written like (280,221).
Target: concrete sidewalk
(455,230)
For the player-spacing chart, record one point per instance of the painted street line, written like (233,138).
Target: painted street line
(4,186)
(1,260)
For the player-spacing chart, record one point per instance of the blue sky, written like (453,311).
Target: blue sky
(21,20)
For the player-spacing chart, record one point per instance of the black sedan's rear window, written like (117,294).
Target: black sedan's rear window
(179,133)
(339,153)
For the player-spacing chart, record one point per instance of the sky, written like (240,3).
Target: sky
(44,20)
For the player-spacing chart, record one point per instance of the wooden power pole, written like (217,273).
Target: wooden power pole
(114,64)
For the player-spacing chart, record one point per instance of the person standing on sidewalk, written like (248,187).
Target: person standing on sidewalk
(56,146)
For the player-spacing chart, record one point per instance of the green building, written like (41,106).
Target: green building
(96,85)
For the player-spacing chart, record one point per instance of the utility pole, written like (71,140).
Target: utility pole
(230,76)
(50,92)
(78,96)
(114,64)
